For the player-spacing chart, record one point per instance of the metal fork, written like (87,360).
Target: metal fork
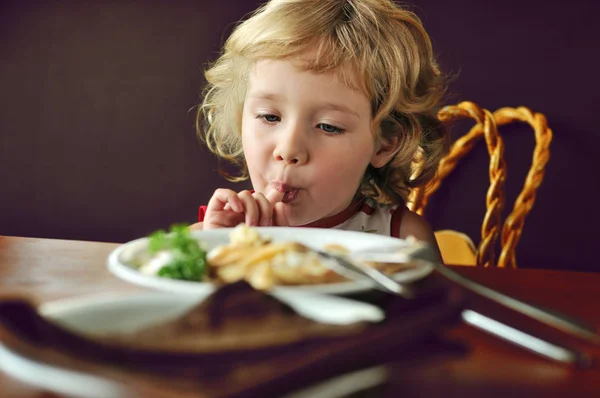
(357,270)
(423,252)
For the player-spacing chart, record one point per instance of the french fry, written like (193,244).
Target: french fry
(230,254)
(265,264)
(261,276)
(231,273)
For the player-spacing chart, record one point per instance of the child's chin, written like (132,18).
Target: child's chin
(302,221)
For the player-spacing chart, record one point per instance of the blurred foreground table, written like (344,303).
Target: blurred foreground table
(49,269)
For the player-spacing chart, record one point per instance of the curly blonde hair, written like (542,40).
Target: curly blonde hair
(385,44)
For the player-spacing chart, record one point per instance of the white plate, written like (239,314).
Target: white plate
(102,314)
(122,313)
(313,237)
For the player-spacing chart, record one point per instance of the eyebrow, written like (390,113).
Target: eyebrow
(340,108)
(266,96)
(325,105)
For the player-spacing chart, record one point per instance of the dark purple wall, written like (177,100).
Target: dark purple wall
(97,139)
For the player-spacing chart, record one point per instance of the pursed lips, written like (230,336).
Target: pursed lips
(289,192)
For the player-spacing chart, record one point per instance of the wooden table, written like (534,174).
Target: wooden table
(47,269)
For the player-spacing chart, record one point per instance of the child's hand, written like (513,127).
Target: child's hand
(228,208)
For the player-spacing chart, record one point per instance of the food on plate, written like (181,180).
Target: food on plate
(264,263)
(175,255)
(247,256)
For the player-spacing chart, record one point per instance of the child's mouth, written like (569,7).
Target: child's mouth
(289,196)
(289,192)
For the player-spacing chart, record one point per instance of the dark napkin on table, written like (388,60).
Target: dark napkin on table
(238,342)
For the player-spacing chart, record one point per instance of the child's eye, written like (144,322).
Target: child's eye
(330,129)
(269,118)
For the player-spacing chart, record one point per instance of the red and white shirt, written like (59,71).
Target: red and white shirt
(364,215)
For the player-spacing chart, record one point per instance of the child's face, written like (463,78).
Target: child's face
(308,136)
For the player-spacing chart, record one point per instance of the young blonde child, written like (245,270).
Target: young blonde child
(326,105)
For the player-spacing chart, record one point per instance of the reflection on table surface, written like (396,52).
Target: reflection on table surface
(47,269)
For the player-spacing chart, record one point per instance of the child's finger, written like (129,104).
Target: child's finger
(223,219)
(265,208)
(274,196)
(221,198)
(197,226)
(279,217)
(250,208)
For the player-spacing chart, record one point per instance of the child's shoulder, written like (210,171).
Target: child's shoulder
(415,225)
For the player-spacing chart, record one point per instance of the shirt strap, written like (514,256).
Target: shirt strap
(397,220)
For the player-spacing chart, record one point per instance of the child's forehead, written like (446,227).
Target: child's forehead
(293,83)
(346,73)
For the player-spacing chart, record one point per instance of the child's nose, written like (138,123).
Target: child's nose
(290,155)
(292,147)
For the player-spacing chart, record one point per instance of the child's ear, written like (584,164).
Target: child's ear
(384,153)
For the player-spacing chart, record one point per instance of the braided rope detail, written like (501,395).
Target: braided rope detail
(513,225)
(419,197)
(485,126)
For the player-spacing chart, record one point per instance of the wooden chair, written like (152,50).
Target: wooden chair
(458,248)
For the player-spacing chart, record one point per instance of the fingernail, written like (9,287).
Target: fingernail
(267,222)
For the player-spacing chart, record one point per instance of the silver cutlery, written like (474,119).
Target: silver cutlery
(423,252)
(355,269)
